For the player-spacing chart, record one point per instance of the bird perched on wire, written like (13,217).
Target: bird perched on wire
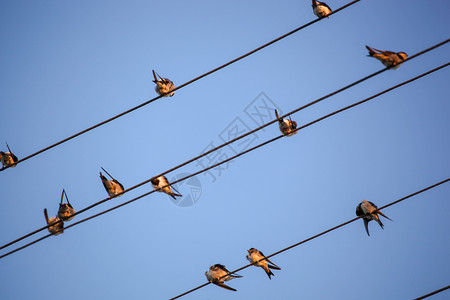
(163,85)
(113,187)
(217,274)
(8,159)
(56,229)
(161,184)
(370,212)
(388,58)
(255,255)
(321,9)
(287,126)
(65,211)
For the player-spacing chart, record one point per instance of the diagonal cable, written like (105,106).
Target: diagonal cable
(316,236)
(231,141)
(235,156)
(433,293)
(177,88)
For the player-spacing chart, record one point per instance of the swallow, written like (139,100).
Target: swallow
(321,9)
(217,274)
(163,85)
(255,255)
(370,212)
(8,159)
(161,184)
(56,229)
(65,211)
(113,187)
(388,58)
(287,126)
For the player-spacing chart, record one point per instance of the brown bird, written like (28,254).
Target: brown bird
(56,229)
(161,184)
(287,126)
(321,9)
(388,58)
(65,211)
(370,212)
(113,187)
(8,159)
(163,85)
(217,274)
(255,255)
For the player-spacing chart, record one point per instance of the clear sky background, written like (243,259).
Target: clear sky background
(66,65)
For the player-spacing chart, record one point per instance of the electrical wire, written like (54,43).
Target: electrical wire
(433,293)
(179,87)
(235,156)
(231,141)
(316,236)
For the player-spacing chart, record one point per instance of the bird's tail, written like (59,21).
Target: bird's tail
(371,51)
(46,215)
(108,173)
(173,195)
(67,198)
(177,194)
(268,272)
(366,225)
(278,117)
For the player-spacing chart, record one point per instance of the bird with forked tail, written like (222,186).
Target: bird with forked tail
(65,211)
(287,126)
(161,184)
(218,273)
(8,159)
(388,58)
(164,86)
(112,187)
(370,212)
(254,255)
(55,229)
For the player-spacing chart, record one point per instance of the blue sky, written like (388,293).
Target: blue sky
(68,65)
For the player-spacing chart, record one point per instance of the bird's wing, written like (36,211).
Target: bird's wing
(119,184)
(326,5)
(275,267)
(223,285)
(384,215)
(103,178)
(154,76)
(359,211)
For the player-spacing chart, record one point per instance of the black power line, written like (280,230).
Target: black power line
(318,235)
(231,158)
(433,293)
(231,141)
(179,87)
